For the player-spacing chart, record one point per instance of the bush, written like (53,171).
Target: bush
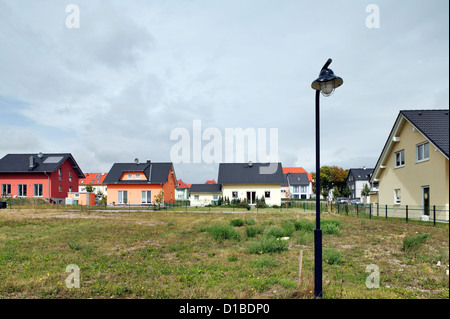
(275,231)
(237,222)
(268,245)
(221,232)
(330,228)
(249,221)
(412,243)
(288,227)
(332,256)
(253,231)
(304,225)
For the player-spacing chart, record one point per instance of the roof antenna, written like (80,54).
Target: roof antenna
(250,163)
(136,160)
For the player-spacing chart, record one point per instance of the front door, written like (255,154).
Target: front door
(251,197)
(426,200)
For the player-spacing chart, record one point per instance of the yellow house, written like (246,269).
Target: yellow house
(413,166)
(204,194)
(252,181)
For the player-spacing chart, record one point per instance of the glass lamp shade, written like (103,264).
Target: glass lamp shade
(327,82)
(327,88)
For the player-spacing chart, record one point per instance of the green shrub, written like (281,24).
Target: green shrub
(237,222)
(330,228)
(249,221)
(264,263)
(268,245)
(303,237)
(288,227)
(412,243)
(332,256)
(222,232)
(253,231)
(305,225)
(275,231)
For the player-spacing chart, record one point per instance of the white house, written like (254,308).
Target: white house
(204,194)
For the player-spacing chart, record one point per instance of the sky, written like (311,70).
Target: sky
(111,81)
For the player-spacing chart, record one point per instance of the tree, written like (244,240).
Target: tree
(160,197)
(331,177)
(366,190)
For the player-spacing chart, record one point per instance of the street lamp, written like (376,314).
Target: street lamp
(325,83)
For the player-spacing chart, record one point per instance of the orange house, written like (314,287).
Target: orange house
(140,183)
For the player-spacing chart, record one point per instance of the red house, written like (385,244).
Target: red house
(47,176)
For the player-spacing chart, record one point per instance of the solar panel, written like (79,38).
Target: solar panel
(53,159)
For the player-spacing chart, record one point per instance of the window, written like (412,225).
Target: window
(234,194)
(122,197)
(82,182)
(22,190)
(92,182)
(267,194)
(303,189)
(37,190)
(146,197)
(60,173)
(138,176)
(196,197)
(98,176)
(295,189)
(6,189)
(215,197)
(60,188)
(70,175)
(130,176)
(70,189)
(400,158)
(77,195)
(423,152)
(397,196)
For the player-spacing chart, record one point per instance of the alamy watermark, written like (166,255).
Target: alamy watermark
(235,145)
(373,19)
(73,19)
(73,280)
(373,280)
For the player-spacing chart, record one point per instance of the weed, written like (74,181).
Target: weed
(253,231)
(413,243)
(221,232)
(304,225)
(237,222)
(332,256)
(250,221)
(268,245)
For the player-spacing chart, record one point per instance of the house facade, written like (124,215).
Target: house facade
(47,176)
(299,186)
(413,168)
(140,183)
(303,191)
(181,191)
(96,181)
(357,178)
(204,194)
(251,182)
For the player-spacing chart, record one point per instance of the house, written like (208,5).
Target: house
(49,176)
(413,166)
(251,181)
(305,192)
(204,194)
(356,179)
(298,185)
(140,183)
(96,180)
(181,190)
(80,198)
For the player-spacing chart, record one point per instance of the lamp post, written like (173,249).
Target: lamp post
(325,83)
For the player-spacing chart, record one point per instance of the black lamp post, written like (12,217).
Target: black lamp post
(325,83)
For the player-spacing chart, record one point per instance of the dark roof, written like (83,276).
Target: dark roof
(205,188)
(245,173)
(42,163)
(155,173)
(297,179)
(433,124)
(360,174)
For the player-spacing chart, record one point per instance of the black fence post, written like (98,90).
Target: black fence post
(386,211)
(434,215)
(370,211)
(406,213)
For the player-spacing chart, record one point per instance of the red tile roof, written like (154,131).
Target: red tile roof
(182,184)
(211,182)
(92,179)
(296,170)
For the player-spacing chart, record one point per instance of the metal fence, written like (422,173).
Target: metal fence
(434,214)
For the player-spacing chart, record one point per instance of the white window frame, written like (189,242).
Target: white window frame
(138,176)
(402,156)
(40,190)
(5,188)
(129,176)
(120,197)
(145,197)
(397,196)
(196,197)
(420,151)
(20,190)
(60,173)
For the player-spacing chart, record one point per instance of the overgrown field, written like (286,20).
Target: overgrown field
(216,255)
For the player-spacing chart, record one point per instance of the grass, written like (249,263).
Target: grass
(161,254)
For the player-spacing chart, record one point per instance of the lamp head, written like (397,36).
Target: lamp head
(327,82)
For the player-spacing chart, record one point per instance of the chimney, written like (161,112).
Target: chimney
(31,161)
(149,161)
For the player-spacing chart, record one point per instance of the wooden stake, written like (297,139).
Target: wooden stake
(300,268)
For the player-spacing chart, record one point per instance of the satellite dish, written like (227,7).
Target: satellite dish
(136,160)
(40,155)
(250,163)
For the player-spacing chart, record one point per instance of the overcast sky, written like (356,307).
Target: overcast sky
(115,88)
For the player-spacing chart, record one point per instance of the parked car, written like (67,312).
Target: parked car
(356,201)
(341,200)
